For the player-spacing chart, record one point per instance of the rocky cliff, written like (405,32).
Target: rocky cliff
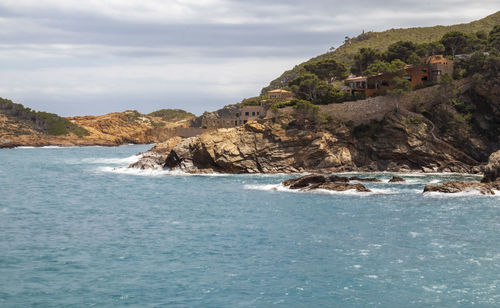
(397,143)
(109,130)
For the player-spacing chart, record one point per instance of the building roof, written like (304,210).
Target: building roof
(357,78)
(436,59)
(279,91)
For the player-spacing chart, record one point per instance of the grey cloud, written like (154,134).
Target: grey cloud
(35,37)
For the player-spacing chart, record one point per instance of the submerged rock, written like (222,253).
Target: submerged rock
(355,178)
(456,187)
(305,181)
(396,179)
(315,181)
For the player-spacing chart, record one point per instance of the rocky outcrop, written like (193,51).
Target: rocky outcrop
(396,179)
(260,148)
(456,187)
(315,181)
(488,185)
(155,158)
(492,169)
(398,143)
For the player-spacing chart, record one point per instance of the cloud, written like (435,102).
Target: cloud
(201,54)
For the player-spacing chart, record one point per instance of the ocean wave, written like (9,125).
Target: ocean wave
(281,188)
(113,160)
(146,172)
(135,171)
(465,193)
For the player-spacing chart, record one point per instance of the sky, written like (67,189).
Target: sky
(75,57)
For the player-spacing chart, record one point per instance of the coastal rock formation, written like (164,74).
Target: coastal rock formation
(107,130)
(396,179)
(488,185)
(315,181)
(456,187)
(355,178)
(492,169)
(394,144)
(259,148)
(155,158)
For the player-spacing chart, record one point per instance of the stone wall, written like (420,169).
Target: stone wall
(375,108)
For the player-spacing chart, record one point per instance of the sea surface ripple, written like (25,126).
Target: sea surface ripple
(77,229)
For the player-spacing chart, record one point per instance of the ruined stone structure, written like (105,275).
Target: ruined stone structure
(239,117)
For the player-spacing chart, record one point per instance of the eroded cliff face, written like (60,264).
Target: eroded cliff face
(109,130)
(398,143)
(256,148)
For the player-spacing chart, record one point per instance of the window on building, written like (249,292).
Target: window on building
(236,122)
(238,115)
(258,113)
(244,121)
(253,113)
(240,121)
(247,113)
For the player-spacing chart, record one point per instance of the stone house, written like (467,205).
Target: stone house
(280,94)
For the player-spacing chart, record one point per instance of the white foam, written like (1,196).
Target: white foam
(465,193)
(280,187)
(374,191)
(113,160)
(139,172)
(52,147)
(415,234)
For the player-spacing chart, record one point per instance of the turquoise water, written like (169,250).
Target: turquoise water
(77,230)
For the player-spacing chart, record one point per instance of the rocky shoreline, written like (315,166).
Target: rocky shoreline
(487,186)
(270,148)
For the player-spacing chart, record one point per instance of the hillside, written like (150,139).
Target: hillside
(21,126)
(381,40)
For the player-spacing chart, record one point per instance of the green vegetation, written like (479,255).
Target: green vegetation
(454,42)
(396,66)
(252,101)
(399,86)
(363,59)
(133,116)
(327,69)
(49,123)
(368,130)
(306,114)
(172,114)
(426,40)
(415,121)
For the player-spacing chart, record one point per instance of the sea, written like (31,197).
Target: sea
(79,229)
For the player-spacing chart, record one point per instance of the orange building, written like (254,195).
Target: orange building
(432,71)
